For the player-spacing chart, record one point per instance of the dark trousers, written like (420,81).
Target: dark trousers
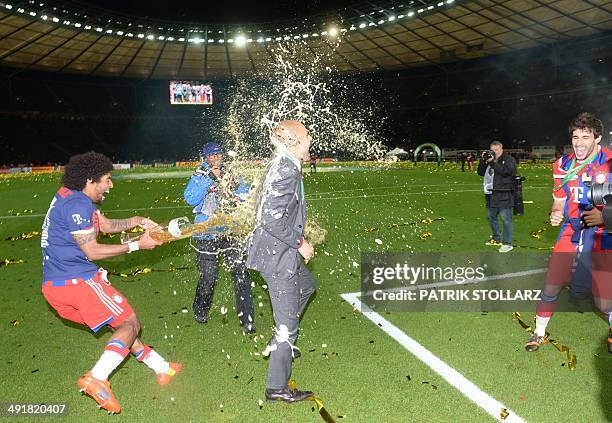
(289,298)
(207,257)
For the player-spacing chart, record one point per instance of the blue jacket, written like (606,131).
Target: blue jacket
(202,192)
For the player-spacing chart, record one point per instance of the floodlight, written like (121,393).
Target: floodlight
(240,40)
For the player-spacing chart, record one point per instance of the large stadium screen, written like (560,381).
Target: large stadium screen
(190,92)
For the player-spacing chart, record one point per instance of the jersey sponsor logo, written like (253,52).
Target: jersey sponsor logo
(577,193)
(77,219)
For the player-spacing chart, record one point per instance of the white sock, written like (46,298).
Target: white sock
(109,360)
(541,323)
(610,319)
(156,362)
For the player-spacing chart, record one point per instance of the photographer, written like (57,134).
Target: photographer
(205,192)
(498,170)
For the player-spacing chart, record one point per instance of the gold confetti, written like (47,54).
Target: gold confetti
(144,270)
(6,262)
(135,230)
(19,213)
(571,358)
(322,411)
(503,413)
(370,229)
(426,235)
(15,322)
(27,235)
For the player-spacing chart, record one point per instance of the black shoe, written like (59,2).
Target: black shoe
(249,328)
(201,319)
(288,395)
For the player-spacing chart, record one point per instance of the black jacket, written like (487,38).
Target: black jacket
(503,180)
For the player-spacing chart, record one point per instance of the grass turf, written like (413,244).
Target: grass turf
(360,373)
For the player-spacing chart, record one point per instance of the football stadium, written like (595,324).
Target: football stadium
(283,211)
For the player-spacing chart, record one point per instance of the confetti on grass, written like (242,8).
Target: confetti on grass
(23,236)
(7,262)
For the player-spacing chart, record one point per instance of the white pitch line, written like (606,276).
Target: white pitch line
(307,197)
(391,187)
(105,211)
(403,194)
(452,376)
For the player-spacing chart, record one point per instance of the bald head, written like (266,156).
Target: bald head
(294,135)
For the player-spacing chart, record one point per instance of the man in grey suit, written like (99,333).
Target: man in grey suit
(274,250)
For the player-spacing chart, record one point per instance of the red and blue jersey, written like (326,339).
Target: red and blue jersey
(575,192)
(70,213)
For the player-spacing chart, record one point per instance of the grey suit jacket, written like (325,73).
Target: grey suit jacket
(281,217)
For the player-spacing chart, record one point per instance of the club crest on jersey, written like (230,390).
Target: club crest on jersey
(117,299)
(77,219)
(600,178)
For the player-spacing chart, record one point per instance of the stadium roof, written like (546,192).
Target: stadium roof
(85,39)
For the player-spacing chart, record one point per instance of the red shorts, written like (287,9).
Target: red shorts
(93,302)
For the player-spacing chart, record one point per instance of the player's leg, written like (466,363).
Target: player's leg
(101,304)
(207,258)
(558,275)
(242,287)
(117,347)
(165,370)
(602,288)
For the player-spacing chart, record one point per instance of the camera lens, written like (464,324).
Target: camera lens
(597,193)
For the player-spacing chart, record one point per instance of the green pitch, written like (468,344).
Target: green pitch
(361,373)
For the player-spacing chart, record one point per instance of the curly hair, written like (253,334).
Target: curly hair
(586,121)
(85,166)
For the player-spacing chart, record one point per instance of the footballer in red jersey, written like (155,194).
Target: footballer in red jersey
(582,255)
(79,291)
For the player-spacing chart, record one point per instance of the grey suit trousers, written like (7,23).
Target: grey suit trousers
(289,297)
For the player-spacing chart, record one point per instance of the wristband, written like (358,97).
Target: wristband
(133,246)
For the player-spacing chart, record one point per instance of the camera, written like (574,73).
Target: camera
(488,155)
(601,194)
(598,194)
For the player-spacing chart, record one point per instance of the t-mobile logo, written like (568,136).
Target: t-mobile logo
(577,193)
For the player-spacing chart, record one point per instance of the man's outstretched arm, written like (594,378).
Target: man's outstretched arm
(94,251)
(113,226)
